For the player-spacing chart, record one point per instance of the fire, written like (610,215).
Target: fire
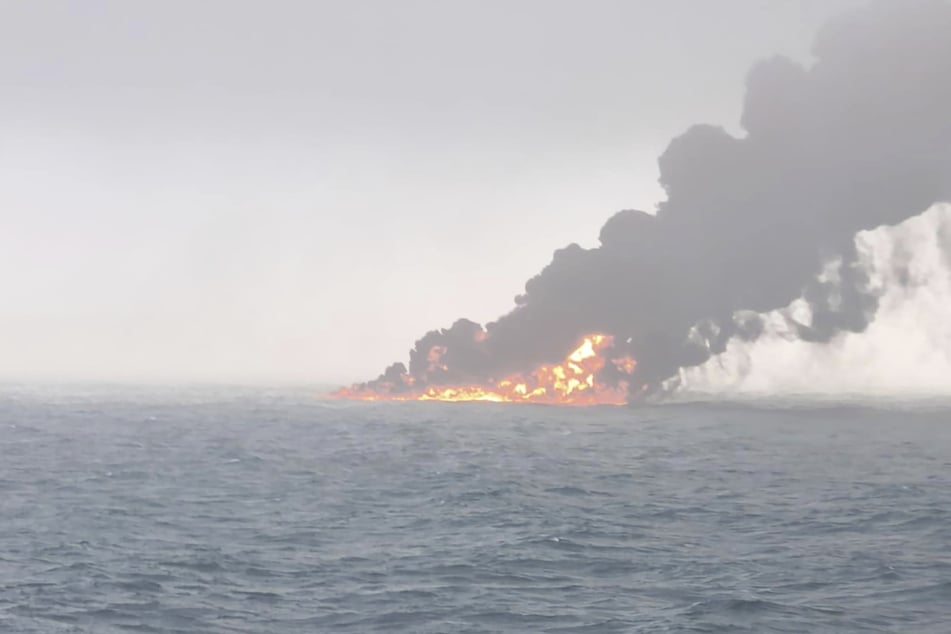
(571,382)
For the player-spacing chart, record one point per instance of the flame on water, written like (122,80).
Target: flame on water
(571,382)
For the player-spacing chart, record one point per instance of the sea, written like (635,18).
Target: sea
(274,510)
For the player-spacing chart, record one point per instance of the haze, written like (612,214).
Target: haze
(295,191)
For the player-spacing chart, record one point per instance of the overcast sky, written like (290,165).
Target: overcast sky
(296,191)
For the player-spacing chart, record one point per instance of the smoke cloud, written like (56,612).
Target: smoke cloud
(859,139)
(906,349)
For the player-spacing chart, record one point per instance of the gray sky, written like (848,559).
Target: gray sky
(244,191)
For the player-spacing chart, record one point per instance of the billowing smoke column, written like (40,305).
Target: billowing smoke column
(862,138)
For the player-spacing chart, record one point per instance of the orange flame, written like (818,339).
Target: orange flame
(572,382)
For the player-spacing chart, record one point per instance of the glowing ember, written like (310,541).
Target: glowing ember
(572,382)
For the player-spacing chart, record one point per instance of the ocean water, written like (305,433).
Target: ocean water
(272,511)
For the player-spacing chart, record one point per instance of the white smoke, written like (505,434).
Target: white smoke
(906,350)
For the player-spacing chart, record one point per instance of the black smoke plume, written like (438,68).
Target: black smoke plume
(860,138)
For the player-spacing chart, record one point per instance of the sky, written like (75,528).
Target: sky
(233,191)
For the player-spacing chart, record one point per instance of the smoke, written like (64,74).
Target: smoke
(860,139)
(905,350)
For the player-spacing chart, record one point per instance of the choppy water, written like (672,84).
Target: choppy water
(272,512)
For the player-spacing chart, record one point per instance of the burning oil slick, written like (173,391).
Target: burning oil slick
(578,380)
(859,139)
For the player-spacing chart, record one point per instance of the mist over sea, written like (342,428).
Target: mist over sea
(222,510)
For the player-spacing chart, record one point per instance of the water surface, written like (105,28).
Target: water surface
(272,511)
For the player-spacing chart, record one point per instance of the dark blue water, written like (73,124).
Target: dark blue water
(272,512)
